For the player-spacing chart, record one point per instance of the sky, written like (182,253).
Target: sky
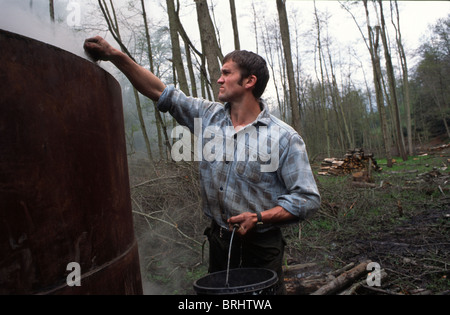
(415,18)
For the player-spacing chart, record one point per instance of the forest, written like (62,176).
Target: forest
(336,97)
(340,97)
(338,94)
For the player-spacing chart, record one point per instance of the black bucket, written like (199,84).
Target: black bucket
(244,281)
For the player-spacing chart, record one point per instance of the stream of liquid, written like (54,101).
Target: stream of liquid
(229,256)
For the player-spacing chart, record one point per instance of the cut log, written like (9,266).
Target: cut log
(336,273)
(306,285)
(361,284)
(298,267)
(343,280)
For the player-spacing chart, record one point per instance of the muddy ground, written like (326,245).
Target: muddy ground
(403,224)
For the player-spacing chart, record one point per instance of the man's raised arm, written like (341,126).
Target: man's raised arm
(142,79)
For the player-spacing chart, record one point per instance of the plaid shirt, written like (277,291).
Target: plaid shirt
(235,181)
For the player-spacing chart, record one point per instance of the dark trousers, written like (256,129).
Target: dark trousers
(254,250)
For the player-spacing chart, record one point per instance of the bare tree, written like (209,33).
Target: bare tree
(392,86)
(237,44)
(210,45)
(51,5)
(177,60)
(372,44)
(113,26)
(404,65)
(285,37)
(188,46)
(322,80)
(269,52)
(255,26)
(377,78)
(160,125)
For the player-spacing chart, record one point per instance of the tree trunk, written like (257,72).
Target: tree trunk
(113,27)
(255,23)
(373,49)
(176,50)
(406,93)
(142,122)
(237,44)
(158,119)
(271,63)
(188,46)
(209,43)
(392,86)
(51,9)
(322,83)
(336,96)
(284,29)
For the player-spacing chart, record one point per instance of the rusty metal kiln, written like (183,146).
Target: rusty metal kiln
(64,188)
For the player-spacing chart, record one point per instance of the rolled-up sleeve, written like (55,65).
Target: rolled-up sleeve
(183,108)
(302,198)
(164,103)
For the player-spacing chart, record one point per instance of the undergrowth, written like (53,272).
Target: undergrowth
(392,223)
(400,223)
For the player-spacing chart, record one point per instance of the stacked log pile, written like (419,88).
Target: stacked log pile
(354,161)
(440,147)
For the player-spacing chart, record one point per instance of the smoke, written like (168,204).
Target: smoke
(32,19)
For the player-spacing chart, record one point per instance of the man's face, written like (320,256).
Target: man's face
(231,85)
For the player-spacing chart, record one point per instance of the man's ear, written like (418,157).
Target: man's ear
(251,81)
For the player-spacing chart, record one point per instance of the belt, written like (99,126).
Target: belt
(223,232)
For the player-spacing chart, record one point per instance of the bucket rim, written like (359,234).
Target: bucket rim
(242,289)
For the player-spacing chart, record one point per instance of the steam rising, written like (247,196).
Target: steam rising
(18,17)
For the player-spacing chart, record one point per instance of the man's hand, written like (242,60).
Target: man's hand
(142,79)
(98,48)
(246,221)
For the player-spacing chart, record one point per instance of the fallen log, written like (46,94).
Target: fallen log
(362,284)
(298,267)
(306,285)
(337,272)
(343,280)
(364,185)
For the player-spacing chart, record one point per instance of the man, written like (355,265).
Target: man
(258,179)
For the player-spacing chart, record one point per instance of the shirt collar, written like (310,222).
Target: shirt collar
(263,117)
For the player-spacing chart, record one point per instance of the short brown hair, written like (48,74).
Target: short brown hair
(251,64)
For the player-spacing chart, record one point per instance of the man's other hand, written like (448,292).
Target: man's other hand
(98,48)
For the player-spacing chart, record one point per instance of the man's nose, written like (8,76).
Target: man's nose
(221,80)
